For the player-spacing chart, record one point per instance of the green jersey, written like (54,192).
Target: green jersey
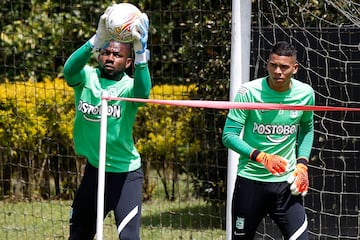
(121,154)
(273,131)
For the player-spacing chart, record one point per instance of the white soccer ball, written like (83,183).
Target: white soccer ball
(120,20)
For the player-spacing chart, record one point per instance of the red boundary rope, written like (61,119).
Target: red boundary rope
(235,105)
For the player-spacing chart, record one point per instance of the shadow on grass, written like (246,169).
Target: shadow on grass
(193,217)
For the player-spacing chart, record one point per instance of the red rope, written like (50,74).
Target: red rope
(236,105)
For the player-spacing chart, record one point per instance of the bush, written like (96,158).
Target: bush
(176,140)
(165,138)
(36,139)
(35,134)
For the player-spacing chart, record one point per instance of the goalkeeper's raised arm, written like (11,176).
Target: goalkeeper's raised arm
(123,170)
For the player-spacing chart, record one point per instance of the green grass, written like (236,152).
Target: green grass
(185,218)
(181,219)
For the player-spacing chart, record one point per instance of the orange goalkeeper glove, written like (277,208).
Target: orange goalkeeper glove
(299,178)
(274,163)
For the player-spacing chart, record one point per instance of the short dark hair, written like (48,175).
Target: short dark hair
(283,48)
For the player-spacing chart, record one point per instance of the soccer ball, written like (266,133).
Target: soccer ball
(120,20)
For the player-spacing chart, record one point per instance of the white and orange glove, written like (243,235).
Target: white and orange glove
(299,179)
(102,36)
(274,163)
(140,32)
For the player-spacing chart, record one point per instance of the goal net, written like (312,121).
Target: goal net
(184,160)
(326,34)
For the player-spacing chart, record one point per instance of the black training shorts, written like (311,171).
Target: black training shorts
(254,200)
(123,195)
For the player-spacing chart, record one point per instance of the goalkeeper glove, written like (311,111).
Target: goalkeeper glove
(274,163)
(299,178)
(102,37)
(140,32)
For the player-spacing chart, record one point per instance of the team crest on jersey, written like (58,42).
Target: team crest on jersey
(293,114)
(113,92)
(242,90)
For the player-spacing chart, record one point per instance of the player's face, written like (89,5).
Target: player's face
(114,59)
(280,70)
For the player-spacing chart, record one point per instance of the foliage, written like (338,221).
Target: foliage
(189,43)
(310,13)
(36,136)
(165,139)
(34,133)
(36,35)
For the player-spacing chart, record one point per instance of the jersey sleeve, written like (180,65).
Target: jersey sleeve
(74,65)
(231,138)
(306,130)
(235,123)
(142,81)
(240,115)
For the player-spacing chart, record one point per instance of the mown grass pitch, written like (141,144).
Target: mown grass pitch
(180,219)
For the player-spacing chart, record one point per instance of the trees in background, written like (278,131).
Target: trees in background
(190,45)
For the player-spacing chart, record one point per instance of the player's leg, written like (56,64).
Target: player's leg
(249,206)
(83,210)
(128,206)
(289,214)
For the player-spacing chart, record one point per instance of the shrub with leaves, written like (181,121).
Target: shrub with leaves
(165,138)
(35,135)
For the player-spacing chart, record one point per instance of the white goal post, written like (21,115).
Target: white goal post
(101,170)
(239,73)
(326,35)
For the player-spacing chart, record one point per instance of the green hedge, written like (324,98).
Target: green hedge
(166,139)
(37,154)
(35,134)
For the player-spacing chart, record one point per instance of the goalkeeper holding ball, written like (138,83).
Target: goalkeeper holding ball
(272,173)
(123,172)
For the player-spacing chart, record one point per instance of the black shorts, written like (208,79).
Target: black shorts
(123,195)
(253,200)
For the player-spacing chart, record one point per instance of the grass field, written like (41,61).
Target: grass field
(191,219)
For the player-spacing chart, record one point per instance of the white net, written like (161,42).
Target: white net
(190,44)
(326,34)
(350,9)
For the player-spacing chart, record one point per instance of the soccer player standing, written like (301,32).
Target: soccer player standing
(274,149)
(123,172)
